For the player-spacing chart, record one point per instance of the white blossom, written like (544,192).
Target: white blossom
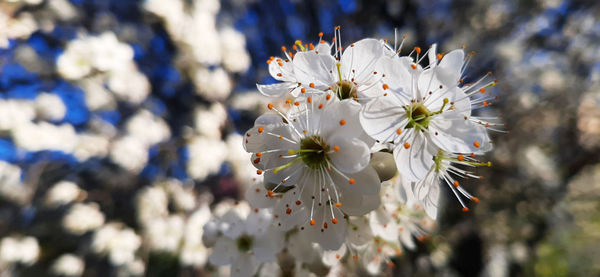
(148,128)
(423,110)
(116,241)
(24,250)
(318,156)
(130,153)
(206,156)
(82,218)
(50,107)
(246,240)
(63,192)
(45,136)
(68,265)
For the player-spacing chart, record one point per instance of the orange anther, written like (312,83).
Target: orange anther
(406,145)
(288,211)
(297,103)
(439,56)
(342,122)
(279,74)
(312,222)
(283,48)
(487,125)
(338,204)
(288,101)
(270,106)
(461,157)
(355,257)
(476,144)
(482,90)
(322,41)
(258,171)
(414,66)
(336,148)
(270,193)
(294,47)
(311,85)
(351,181)
(260,129)
(268,61)
(303,90)
(328,97)
(335,221)
(399,131)
(309,100)
(475,199)
(257,160)
(456,184)
(418,50)
(298,202)
(320,34)
(465,209)
(320,106)
(311,46)
(385,86)
(337,256)
(259,154)
(485,103)
(325,225)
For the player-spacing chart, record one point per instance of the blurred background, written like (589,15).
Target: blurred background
(120,124)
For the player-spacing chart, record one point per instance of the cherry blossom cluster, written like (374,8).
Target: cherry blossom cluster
(355,156)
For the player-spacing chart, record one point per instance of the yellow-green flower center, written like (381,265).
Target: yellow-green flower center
(313,152)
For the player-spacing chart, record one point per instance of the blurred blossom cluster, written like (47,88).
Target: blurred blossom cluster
(124,147)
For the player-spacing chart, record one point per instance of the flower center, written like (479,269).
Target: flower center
(345,90)
(244,243)
(418,116)
(313,152)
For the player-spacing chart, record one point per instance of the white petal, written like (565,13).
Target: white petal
(383,224)
(257,197)
(382,117)
(301,248)
(244,265)
(232,224)
(365,181)
(266,246)
(270,137)
(352,154)
(258,222)
(332,237)
(342,119)
(282,70)
(288,176)
(414,162)
(360,232)
(276,90)
(360,59)
(427,192)
(458,135)
(449,69)
(323,48)
(407,239)
(223,252)
(298,212)
(432,56)
(332,257)
(310,67)
(357,205)
(399,75)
